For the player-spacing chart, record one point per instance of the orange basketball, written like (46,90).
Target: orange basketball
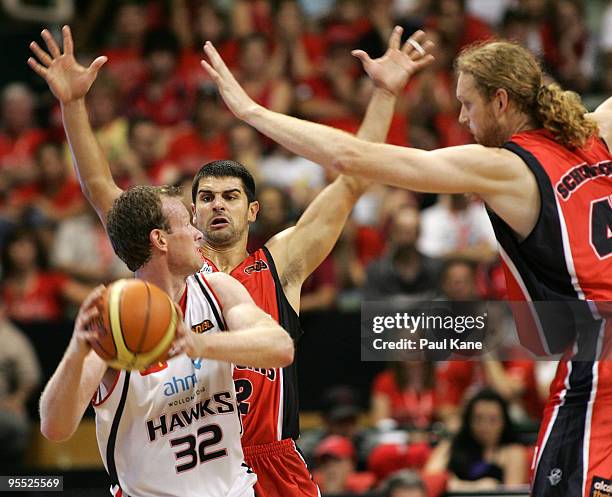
(138,324)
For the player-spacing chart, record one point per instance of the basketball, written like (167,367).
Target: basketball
(137,324)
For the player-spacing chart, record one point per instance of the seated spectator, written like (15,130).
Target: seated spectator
(275,215)
(204,140)
(404,393)
(320,289)
(82,251)
(146,161)
(388,458)
(403,271)
(484,454)
(246,147)
(298,50)
(161,95)
(124,52)
(19,376)
(335,469)
(257,77)
(404,483)
(30,292)
(457,227)
(456,25)
(19,137)
(55,195)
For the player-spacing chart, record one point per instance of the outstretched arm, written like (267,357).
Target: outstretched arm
(470,168)
(70,82)
(70,389)
(298,251)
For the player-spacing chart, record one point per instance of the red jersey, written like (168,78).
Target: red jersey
(268,398)
(567,261)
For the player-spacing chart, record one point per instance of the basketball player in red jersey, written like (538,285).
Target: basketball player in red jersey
(546,177)
(224,198)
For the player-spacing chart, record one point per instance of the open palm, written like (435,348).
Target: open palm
(67,79)
(393,70)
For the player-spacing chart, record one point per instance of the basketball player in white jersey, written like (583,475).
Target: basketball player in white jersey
(173,429)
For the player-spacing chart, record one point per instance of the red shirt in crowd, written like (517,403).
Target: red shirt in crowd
(42,300)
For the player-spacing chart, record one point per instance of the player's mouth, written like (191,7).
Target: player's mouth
(219,222)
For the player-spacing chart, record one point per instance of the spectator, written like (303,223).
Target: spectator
(146,161)
(484,453)
(335,470)
(30,292)
(403,270)
(404,483)
(246,147)
(19,376)
(457,227)
(257,76)
(82,251)
(55,195)
(404,393)
(206,139)
(320,289)
(275,215)
(161,95)
(124,52)
(19,137)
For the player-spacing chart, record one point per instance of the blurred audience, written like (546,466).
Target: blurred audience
(484,454)
(20,374)
(403,270)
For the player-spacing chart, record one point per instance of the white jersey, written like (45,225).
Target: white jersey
(174,430)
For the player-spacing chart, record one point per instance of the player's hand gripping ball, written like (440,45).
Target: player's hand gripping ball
(137,326)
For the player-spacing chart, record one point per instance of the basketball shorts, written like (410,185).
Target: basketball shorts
(281,470)
(573,456)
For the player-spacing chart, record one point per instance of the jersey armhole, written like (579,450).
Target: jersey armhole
(101,394)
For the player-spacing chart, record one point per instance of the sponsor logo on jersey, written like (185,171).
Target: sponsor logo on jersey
(180,384)
(580,175)
(601,487)
(257,267)
(218,403)
(206,268)
(269,373)
(555,476)
(197,363)
(202,327)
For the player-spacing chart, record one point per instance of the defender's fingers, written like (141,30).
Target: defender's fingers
(37,68)
(51,44)
(395,38)
(43,56)
(68,44)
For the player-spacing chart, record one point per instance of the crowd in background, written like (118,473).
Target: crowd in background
(159,119)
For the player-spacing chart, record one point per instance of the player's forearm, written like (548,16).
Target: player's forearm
(378,116)
(91,165)
(263,345)
(63,401)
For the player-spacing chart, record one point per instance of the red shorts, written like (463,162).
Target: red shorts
(281,470)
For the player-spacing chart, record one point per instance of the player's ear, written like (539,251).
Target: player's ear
(501,99)
(158,240)
(253,210)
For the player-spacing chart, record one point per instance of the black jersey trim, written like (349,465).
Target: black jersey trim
(112,438)
(211,301)
(290,321)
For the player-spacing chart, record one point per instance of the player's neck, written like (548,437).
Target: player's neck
(226,258)
(160,276)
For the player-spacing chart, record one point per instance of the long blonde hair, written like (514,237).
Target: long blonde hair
(507,65)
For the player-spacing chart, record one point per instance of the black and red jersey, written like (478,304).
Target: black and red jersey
(268,397)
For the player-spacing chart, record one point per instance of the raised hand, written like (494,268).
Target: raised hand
(67,79)
(393,70)
(88,322)
(232,93)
